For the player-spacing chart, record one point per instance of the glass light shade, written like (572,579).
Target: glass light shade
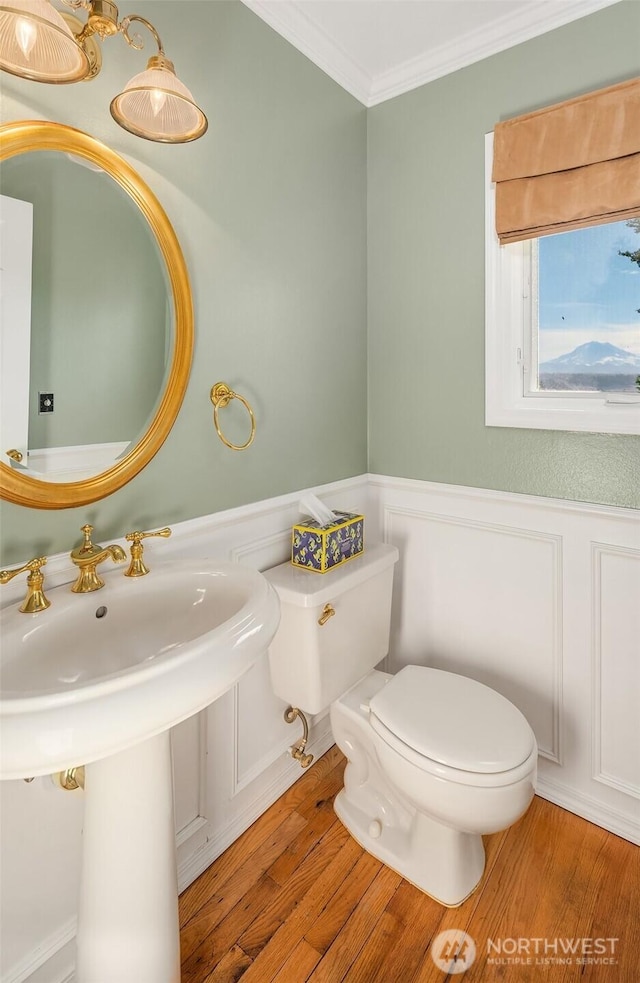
(36,44)
(156,105)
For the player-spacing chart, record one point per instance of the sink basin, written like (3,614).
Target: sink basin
(97,673)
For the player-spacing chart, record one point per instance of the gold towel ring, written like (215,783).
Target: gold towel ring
(220,396)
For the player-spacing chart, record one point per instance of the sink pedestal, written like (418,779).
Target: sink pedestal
(128,928)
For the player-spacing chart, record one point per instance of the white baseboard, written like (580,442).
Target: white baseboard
(51,962)
(590,809)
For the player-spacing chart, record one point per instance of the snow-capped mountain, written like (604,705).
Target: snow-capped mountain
(595,357)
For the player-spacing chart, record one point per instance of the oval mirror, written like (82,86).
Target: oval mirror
(97,326)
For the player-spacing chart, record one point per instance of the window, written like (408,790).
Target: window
(563,327)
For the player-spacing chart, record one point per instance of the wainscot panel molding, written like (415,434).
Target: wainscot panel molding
(230,762)
(538,598)
(460,604)
(616,634)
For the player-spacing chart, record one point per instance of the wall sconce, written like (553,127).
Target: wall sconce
(40,43)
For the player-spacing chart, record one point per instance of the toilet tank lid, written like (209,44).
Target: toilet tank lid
(453,720)
(308,589)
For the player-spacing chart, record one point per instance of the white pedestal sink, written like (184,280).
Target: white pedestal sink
(99,679)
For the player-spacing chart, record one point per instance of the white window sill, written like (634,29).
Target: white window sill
(611,418)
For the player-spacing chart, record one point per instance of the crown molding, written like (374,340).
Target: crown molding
(289,19)
(508,31)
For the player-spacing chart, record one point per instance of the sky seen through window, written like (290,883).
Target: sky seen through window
(587,291)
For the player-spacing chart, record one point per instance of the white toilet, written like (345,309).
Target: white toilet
(435,759)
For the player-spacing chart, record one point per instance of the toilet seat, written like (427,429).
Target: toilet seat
(453,727)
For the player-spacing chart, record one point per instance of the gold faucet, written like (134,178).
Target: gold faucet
(87,557)
(137,568)
(35,600)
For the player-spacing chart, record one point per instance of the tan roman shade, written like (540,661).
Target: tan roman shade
(571,165)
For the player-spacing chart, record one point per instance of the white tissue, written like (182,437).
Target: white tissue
(310,505)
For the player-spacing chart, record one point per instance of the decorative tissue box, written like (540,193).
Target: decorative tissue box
(321,548)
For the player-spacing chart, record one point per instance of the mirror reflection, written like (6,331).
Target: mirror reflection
(87,340)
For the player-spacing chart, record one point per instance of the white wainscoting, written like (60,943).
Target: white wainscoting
(76,462)
(540,599)
(536,597)
(230,762)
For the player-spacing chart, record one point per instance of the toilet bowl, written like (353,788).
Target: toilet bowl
(417,813)
(435,760)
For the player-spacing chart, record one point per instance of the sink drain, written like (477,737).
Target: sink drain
(101,611)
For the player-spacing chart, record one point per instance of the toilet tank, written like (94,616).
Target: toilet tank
(312,664)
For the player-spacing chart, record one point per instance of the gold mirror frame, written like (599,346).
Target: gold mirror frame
(28,135)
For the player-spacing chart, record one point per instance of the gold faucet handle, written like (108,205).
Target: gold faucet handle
(137,568)
(136,537)
(86,547)
(35,600)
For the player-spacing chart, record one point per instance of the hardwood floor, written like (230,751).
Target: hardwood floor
(296,899)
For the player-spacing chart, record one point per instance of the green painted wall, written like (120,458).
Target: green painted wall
(426,273)
(270,208)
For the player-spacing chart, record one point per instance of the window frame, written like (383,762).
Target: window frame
(509,309)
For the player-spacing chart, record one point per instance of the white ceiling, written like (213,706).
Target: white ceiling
(377,49)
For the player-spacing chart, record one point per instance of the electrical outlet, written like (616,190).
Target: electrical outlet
(45,403)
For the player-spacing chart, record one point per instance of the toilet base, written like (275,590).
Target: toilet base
(444,863)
